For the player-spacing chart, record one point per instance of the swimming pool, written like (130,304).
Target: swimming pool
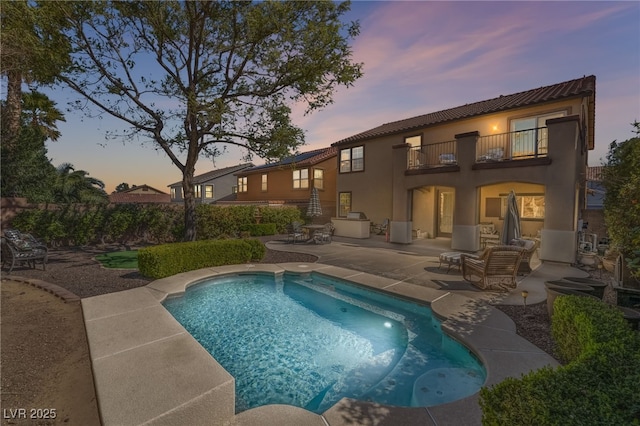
(309,340)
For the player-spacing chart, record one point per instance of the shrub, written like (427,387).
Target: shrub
(598,386)
(259,229)
(582,326)
(170,259)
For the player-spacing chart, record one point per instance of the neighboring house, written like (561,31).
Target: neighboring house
(211,186)
(593,213)
(448,172)
(595,189)
(140,194)
(290,181)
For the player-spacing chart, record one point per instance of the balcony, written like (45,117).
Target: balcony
(433,156)
(519,145)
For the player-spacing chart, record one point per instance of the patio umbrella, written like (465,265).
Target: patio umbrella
(314,209)
(511,226)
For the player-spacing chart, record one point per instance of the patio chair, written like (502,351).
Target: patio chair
(495,271)
(528,248)
(382,228)
(324,235)
(295,233)
(23,252)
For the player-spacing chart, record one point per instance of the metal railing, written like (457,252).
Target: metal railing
(432,155)
(519,145)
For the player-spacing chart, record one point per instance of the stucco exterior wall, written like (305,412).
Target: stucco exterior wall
(386,189)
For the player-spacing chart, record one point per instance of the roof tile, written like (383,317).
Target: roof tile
(566,90)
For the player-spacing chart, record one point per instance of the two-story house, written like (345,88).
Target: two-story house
(211,186)
(448,172)
(291,180)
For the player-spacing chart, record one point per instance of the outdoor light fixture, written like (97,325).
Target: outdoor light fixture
(525,293)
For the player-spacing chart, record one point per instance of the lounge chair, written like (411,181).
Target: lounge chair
(496,270)
(23,251)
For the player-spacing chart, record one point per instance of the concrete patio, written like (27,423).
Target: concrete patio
(149,370)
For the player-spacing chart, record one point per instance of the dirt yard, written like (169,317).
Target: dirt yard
(46,369)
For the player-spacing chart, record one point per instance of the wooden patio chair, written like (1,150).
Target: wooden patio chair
(528,249)
(497,269)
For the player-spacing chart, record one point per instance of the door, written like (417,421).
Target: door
(445,213)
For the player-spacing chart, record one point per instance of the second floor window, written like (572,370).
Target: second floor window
(352,159)
(531,135)
(264,182)
(242,184)
(318,178)
(301,179)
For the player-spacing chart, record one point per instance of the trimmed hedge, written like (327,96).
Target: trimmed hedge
(134,223)
(598,386)
(170,259)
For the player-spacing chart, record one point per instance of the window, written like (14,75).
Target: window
(174,194)
(301,179)
(318,178)
(413,141)
(345,203)
(352,159)
(208,191)
(242,184)
(198,191)
(264,182)
(530,206)
(531,134)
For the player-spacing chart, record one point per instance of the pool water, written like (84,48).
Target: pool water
(310,340)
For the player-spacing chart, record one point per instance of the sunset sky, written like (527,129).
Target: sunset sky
(422,57)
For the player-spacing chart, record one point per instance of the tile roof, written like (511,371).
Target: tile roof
(137,198)
(595,173)
(297,160)
(566,90)
(213,174)
(143,187)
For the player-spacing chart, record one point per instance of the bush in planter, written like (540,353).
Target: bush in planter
(598,386)
(170,259)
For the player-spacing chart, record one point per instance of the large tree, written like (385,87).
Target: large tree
(198,76)
(32,49)
(26,170)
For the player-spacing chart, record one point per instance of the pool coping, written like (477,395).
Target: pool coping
(149,370)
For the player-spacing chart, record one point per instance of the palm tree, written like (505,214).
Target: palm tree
(40,112)
(76,186)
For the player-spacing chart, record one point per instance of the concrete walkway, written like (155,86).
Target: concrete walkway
(149,370)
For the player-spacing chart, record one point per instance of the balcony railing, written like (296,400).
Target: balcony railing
(523,144)
(432,155)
